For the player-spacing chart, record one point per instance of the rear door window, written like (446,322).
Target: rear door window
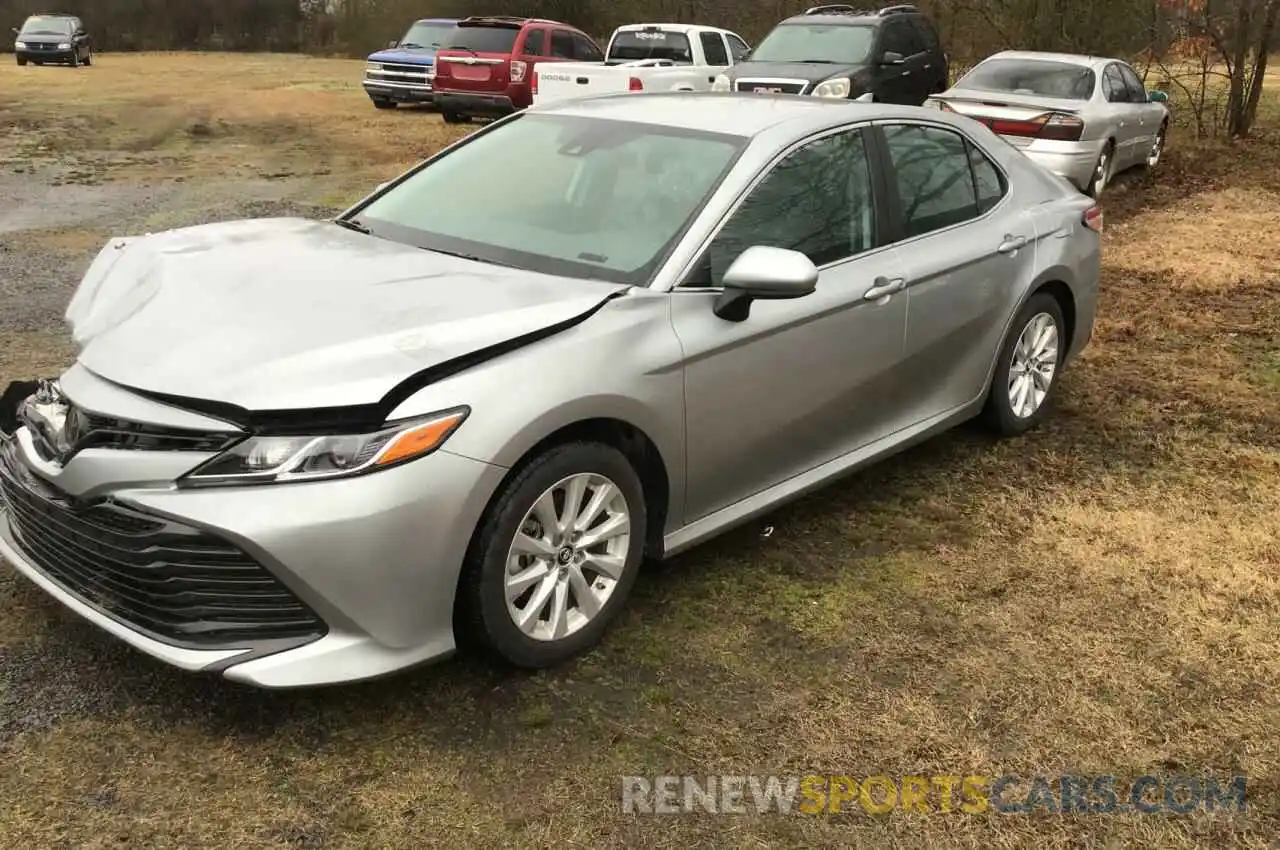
(898,38)
(562,44)
(1137,91)
(535,43)
(934,177)
(1113,85)
(738,48)
(713,48)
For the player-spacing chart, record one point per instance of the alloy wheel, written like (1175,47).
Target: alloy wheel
(1101,173)
(1153,158)
(567,557)
(1034,365)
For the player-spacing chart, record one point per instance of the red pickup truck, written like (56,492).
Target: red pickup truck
(486,66)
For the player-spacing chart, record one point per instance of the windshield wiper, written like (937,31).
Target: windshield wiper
(472,257)
(353,224)
(817,61)
(410,45)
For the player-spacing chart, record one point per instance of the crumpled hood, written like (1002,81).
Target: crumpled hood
(814,72)
(286,314)
(406,55)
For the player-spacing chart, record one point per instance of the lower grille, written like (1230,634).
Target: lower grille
(176,584)
(772,86)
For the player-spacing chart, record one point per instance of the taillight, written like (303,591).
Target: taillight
(533,81)
(635,84)
(517,70)
(1054,126)
(1093,218)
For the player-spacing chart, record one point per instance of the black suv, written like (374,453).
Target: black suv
(53,37)
(892,55)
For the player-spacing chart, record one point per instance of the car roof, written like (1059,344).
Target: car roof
(731,113)
(682,28)
(1046,55)
(437,20)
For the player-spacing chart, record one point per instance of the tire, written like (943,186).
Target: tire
(1000,414)
(88,59)
(22,63)
(1103,171)
(382,103)
(75,59)
(486,615)
(1157,149)
(454,117)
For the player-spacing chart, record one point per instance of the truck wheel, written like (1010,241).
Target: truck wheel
(88,59)
(22,61)
(383,103)
(454,118)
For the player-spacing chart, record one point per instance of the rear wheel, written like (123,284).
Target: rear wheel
(556,556)
(1028,367)
(1102,171)
(454,118)
(1157,149)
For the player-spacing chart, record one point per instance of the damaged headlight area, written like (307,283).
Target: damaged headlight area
(283,459)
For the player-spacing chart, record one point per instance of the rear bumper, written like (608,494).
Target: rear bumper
(399,92)
(1072,161)
(471,103)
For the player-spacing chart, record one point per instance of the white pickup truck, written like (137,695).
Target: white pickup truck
(644,57)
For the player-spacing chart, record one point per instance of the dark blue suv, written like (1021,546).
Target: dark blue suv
(405,72)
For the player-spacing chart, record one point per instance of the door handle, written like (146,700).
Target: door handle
(1011,244)
(882,287)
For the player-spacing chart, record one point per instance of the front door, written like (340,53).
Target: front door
(799,382)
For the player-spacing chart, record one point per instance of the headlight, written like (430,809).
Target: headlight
(269,460)
(21,45)
(838,87)
(66,45)
(373,66)
(721,83)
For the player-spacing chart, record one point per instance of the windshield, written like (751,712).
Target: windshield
(1038,77)
(483,39)
(840,44)
(427,34)
(630,46)
(44,23)
(586,197)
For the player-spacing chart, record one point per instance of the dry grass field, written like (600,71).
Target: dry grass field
(1099,597)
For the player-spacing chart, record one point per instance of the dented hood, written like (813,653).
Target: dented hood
(283,314)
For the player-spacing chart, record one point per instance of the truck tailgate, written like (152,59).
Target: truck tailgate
(565,80)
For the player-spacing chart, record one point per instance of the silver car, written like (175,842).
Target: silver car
(297,452)
(1084,118)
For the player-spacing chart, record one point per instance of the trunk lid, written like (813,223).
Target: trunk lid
(478,58)
(997,108)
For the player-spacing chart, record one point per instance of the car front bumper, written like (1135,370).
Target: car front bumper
(46,55)
(376,557)
(399,92)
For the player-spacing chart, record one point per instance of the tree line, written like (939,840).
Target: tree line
(1229,39)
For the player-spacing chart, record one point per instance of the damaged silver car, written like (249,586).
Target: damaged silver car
(296,452)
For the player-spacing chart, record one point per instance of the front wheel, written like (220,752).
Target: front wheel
(1027,368)
(22,62)
(556,556)
(88,58)
(383,103)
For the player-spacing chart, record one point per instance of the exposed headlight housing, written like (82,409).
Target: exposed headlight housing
(721,83)
(21,45)
(65,45)
(838,87)
(285,459)
(373,66)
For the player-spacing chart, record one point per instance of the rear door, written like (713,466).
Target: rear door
(1147,114)
(738,48)
(1123,114)
(968,246)
(934,69)
(478,58)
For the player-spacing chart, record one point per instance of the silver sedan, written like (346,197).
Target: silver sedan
(1084,118)
(294,452)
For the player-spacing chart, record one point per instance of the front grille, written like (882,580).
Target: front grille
(772,86)
(172,582)
(85,430)
(417,75)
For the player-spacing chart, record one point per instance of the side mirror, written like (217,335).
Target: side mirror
(17,31)
(891,58)
(1155,96)
(761,272)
